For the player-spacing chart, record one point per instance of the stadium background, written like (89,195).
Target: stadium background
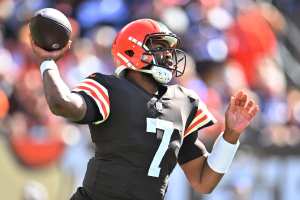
(232,44)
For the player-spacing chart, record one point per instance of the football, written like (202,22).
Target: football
(50,29)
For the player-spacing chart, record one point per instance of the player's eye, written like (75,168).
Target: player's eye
(159,48)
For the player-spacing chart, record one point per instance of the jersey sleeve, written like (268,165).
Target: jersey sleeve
(95,94)
(201,118)
(191,149)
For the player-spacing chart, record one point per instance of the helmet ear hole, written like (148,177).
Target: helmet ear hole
(130,53)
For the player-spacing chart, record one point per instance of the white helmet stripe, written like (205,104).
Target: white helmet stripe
(139,43)
(128,63)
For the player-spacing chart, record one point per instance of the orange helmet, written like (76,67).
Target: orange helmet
(132,48)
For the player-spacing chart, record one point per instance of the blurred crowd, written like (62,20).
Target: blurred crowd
(231,45)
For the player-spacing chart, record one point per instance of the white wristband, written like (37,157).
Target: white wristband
(222,155)
(48,65)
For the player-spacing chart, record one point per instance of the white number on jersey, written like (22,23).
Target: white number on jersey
(168,128)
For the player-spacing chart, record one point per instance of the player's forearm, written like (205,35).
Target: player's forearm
(201,177)
(208,180)
(211,177)
(205,173)
(59,97)
(56,91)
(220,159)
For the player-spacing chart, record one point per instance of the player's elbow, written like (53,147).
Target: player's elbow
(203,188)
(56,107)
(66,109)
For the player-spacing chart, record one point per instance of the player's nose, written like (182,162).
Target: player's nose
(168,58)
(168,54)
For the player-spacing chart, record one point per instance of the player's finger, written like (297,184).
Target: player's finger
(33,45)
(232,102)
(243,100)
(30,38)
(37,48)
(67,47)
(249,105)
(238,98)
(254,111)
(69,44)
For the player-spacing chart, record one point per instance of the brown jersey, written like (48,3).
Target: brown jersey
(139,137)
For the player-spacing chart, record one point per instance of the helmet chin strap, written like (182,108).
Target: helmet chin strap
(160,74)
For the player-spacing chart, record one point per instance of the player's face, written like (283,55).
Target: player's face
(164,49)
(162,53)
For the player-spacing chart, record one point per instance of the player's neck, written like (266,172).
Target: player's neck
(143,81)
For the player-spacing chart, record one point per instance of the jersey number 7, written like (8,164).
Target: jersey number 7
(168,128)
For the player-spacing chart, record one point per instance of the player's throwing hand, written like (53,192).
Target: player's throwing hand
(42,54)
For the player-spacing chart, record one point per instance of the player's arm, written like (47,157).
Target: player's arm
(205,171)
(60,99)
(200,175)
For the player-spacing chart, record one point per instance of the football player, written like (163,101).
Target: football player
(142,126)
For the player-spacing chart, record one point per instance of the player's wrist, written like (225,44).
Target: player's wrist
(48,64)
(222,155)
(231,136)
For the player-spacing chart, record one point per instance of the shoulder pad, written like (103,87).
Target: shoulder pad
(190,93)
